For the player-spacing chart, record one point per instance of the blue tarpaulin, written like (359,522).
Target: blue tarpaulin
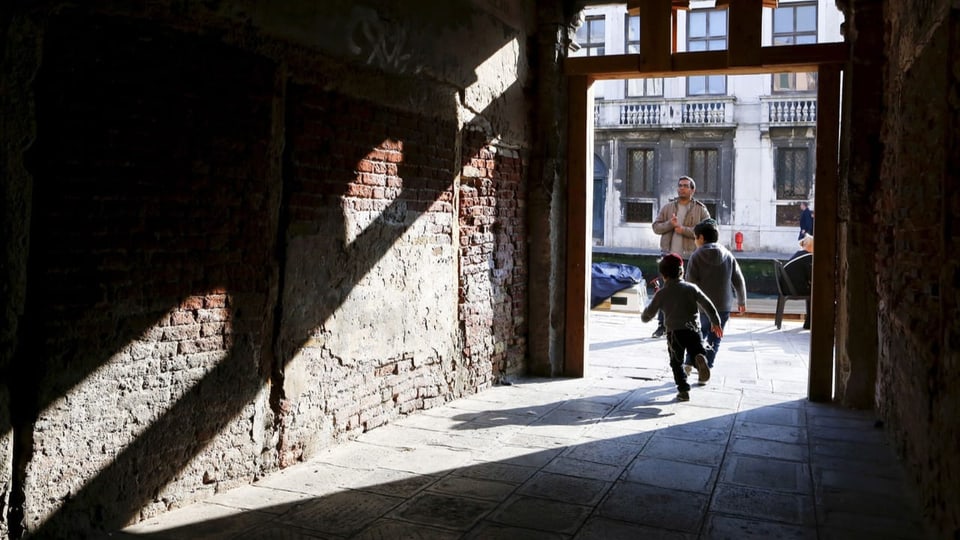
(609,278)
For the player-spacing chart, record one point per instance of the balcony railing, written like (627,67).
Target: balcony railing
(654,113)
(782,111)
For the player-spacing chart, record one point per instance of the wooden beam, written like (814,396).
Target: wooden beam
(780,59)
(766,3)
(825,267)
(743,36)
(579,208)
(634,6)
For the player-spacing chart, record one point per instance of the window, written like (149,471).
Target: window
(590,36)
(795,82)
(788,215)
(795,24)
(640,176)
(639,212)
(706,31)
(639,87)
(704,168)
(793,173)
(640,185)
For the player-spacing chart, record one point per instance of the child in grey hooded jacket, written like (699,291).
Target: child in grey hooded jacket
(716,271)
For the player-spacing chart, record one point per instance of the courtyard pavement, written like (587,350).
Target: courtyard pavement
(608,456)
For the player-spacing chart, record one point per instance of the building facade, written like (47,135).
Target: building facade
(747,140)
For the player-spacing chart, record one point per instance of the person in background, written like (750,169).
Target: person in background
(675,224)
(799,270)
(680,302)
(715,270)
(806,220)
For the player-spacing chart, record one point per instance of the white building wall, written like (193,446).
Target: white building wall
(754,190)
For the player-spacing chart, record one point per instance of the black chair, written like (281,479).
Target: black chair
(786,291)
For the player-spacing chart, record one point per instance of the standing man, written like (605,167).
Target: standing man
(806,220)
(716,271)
(675,224)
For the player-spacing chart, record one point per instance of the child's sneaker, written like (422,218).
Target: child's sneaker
(683,395)
(703,370)
(687,368)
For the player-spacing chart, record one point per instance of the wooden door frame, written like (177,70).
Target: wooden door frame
(744,56)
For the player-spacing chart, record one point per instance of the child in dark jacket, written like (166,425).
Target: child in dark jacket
(680,301)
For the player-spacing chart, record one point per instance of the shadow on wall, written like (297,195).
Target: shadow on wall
(159,252)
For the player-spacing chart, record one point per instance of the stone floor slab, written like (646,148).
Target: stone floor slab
(766,473)
(565,488)
(769,432)
(703,453)
(599,528)
(737,528)
(654,506)
(392,482)
(606,451)
(671,474)
(385,528)
(767,448)
(503,472)
(764,505)
(445,511)
(343,514)
(541,514)
(584,469)
(487,530)
(475,488)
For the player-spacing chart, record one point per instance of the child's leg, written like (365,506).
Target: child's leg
(693,343)
(711,339)
(676,349)
(688,359)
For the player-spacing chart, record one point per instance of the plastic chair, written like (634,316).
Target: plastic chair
(785,291)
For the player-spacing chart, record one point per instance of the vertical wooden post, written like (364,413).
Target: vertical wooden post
(655,34)
(745,25)
(825,267)
(579,205)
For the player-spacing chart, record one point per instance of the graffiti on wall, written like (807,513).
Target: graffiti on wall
(380,42)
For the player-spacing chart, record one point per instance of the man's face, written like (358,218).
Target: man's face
(685,189)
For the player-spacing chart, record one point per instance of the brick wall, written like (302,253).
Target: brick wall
(242,252)
(493,272)
(150,269)
(369,302)
(917,259)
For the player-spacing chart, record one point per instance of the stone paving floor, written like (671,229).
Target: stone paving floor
(608,456)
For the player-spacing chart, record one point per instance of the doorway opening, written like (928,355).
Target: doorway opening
(743,56)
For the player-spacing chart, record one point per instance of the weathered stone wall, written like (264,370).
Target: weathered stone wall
(150,271)
(245,232)
(861,158)
(917,258)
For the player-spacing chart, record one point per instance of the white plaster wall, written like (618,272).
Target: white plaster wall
(754,205)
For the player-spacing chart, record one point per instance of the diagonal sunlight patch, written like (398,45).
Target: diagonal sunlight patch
(583,451)
(131,391)
(494,76)
(429,481)
(398,224)
(398,235)
(373,196)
